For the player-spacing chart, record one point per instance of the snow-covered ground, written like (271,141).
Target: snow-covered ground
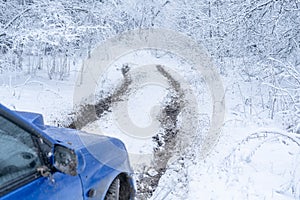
(247,163)
(253,159)
(53,98)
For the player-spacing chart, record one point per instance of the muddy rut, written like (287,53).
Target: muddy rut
(165,140)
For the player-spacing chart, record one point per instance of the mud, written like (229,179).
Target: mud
(165,139)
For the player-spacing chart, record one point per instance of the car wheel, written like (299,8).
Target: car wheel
(113,192)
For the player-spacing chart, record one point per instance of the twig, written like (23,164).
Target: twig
(15,18)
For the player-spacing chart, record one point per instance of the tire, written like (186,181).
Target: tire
(113,192)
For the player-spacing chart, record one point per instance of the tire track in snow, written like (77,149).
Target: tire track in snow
(167,141)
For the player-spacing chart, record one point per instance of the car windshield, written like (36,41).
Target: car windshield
(18,154)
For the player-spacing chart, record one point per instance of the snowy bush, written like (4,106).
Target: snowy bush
(51,35)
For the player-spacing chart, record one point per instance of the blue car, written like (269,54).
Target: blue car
(44,162)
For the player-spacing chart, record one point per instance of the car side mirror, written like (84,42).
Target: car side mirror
(65,160)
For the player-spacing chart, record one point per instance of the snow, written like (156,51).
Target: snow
(25,92)
(248,168)
(255,49)
(253,159)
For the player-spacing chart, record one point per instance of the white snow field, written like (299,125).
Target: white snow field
(254,158)
(151,95)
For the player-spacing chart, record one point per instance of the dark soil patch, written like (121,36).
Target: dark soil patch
(89,113)
(165,140)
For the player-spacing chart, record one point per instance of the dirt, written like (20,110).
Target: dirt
(89,113)
(165,139)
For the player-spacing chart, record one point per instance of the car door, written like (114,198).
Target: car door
(20,159)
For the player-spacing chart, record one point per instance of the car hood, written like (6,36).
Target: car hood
(77,139)
(71,137)
(106,150)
